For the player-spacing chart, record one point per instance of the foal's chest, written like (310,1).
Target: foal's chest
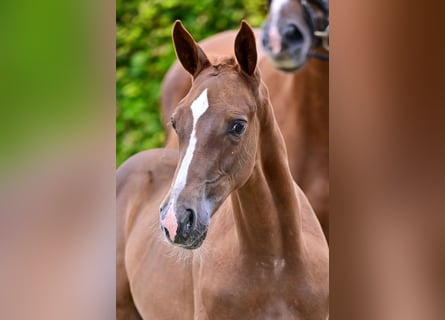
(236,291)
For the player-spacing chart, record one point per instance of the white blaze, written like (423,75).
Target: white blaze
(199,106)
(274,35)
(275,7)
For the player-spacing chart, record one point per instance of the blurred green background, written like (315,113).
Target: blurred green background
(145,52)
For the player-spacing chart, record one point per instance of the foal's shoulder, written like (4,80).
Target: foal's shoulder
(150,166)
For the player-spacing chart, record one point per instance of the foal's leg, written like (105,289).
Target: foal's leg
(125,307)
(138,180)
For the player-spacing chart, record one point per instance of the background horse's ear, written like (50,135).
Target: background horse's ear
(191,56)
(245,48)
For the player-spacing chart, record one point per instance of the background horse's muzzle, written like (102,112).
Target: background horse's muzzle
(287,40)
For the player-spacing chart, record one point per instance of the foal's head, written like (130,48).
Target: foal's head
(288,33)
(217,128)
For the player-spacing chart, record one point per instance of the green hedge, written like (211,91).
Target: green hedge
(145,52)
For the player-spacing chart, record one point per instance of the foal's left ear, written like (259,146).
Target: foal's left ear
(245,48)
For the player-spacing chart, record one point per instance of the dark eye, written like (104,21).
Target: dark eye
(238,127)
(173,122)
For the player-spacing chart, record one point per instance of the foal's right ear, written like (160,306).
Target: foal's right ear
(191,56)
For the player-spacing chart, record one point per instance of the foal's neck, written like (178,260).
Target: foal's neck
(266,208)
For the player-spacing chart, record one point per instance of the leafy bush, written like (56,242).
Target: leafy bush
(145,52)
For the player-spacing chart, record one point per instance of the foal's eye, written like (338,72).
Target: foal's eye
(173,122)
(238,128)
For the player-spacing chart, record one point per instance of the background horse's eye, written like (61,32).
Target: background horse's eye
(238,128)
(173,122)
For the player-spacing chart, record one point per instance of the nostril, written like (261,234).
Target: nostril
(265,44)
(293,33)
(189,221)
(165,230)
(265,40)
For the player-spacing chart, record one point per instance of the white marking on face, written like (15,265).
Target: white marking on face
(199,106)
(274,35)
(275,7)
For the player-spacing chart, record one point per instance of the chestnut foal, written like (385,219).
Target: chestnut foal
(264,255)
(290,53)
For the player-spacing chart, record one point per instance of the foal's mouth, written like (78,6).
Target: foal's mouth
(193,243)
(198,242)
(288,62)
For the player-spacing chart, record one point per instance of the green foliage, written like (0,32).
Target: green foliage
(145,52)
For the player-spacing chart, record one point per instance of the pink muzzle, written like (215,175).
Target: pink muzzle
(170,223)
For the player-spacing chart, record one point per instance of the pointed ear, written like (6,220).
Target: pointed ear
(191,56)
(245,48)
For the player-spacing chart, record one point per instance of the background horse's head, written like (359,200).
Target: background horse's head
(217,132)
(289,32)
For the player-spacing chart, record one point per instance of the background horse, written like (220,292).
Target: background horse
(264,256)
(293,66)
